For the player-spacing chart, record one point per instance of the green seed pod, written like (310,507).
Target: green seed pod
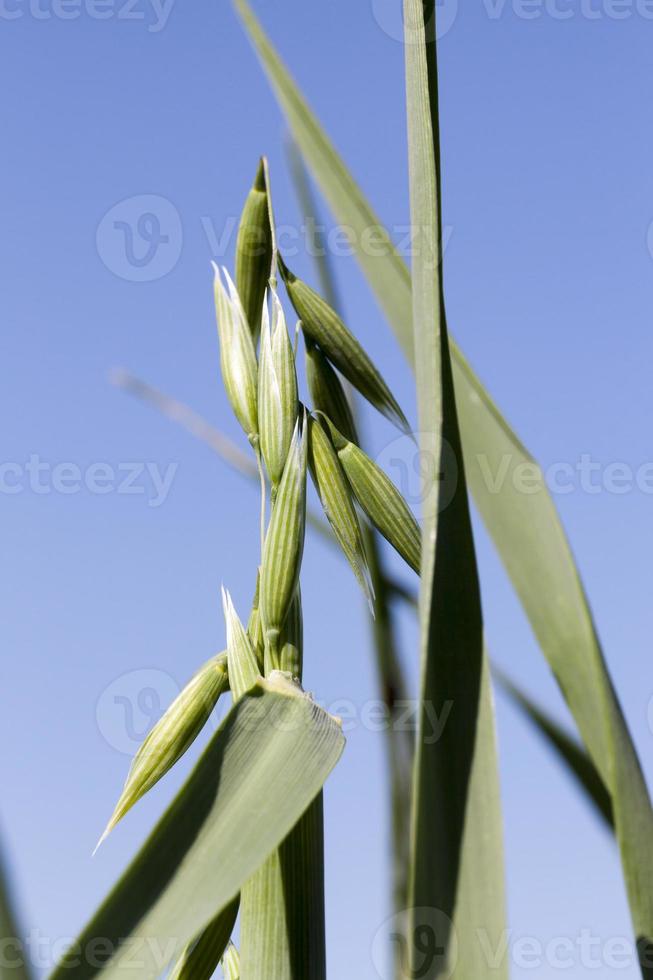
(277,391)
(243,668)
(254,253)
(335,495)
(200,959)
(231,963)
(325,328)
(380,499)
(291,645)
(327,391)
(172,735)
(237,356)
(284,545)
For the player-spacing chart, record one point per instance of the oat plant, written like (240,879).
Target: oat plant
(232,876)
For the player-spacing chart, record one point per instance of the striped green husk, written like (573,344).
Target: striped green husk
(172,735)
(231,963)
(335,495)
(237,356)
(243,668)
(380,499)
(201,958)
(254,253)
(327,392)
(284,544)
(325,328)
(255,627)
(291,644)
(277,391)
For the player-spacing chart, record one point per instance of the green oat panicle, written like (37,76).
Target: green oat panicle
(379,498)
(284,544)
(172,735)
(237,355)
(325,328)
(334,492)
(231,963)
(277,390)
(254,253)
(243,668)
(327,392)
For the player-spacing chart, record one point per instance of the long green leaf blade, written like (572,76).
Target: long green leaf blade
(264,766)
(570,752)
(525,527)
(456,852)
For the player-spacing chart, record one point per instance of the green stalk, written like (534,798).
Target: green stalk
(282,906)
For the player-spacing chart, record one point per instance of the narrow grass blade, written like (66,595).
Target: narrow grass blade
(380,499)
(14,959)
(567,748)
(456,846)
(200,959)
(172,735)
(262,769)
(254,253)
(525,527)
(325,328)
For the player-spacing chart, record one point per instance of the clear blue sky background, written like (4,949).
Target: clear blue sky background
(549,196)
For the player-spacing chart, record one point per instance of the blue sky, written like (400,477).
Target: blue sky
(111,588)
